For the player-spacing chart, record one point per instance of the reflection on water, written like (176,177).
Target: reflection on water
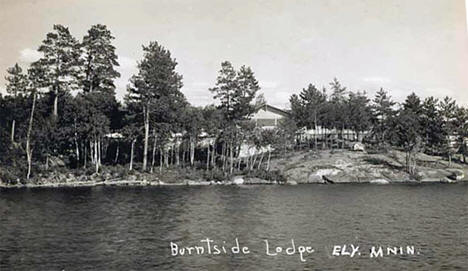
(110,228)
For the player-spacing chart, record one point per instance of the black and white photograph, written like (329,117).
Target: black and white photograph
(233,135)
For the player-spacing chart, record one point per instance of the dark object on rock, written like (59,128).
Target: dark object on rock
(456,174)
(327,180)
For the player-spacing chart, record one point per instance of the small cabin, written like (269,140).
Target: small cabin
(267,116)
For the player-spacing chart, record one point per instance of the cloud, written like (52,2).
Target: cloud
(29,55)
(376,79)
(3,90)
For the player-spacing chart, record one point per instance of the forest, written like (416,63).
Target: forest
(61,111)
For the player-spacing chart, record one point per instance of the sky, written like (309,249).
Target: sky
(399,45)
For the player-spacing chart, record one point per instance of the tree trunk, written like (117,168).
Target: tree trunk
(192,152)
(208,157)
(268,162)
(213,156)
(91,151)
(116,158)
(99,152)
(13,122)
(131,154)
(223,155)
(77,148)
(145,149)
(28,137)
(55,113)
(252,163)
(231,155)
(261,161)
(160,159)
(177,152)
(166,157)
(315,131)
(96,154)
(153,155)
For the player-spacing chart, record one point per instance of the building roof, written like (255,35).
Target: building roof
(273,109)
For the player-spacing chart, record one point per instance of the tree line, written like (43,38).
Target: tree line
(64,106)
(430,125)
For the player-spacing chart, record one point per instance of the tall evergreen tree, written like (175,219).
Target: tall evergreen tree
(448,108)
(235,91)
(157,83)
(225,90)
(413,103)
(61,61)
(359,112)
(16,80)
(17,83)
(461,131)
(382,110)
(432,124)
(100,60)
(338,115)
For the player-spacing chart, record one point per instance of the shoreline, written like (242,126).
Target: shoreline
(300,167)
(127,183)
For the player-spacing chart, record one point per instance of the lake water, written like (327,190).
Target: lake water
(130,228)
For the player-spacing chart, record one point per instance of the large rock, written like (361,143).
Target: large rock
(341,178)
(359,147)
(428,175)
(199,182)
(238,180)
(379,181)
(256,180)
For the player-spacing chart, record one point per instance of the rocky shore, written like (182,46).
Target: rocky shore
(361,167)
(307,167)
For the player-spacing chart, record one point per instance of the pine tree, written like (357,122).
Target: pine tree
(100,60)
(61,61)
(447,110)
(413,103)
(17,83)
(382,110)
(310,107)
(406,133)
(432,124)
(461,130)
(225,89)
(235,91)
(359,112)
(16,80)
(156,84)
(247,88)
(338,116)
